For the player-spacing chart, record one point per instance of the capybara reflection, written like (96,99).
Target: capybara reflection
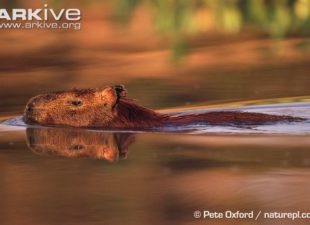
(110,108)
(72,143)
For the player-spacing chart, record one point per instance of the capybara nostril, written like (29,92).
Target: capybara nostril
(29,108)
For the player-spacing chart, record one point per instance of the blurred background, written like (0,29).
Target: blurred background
(167,52)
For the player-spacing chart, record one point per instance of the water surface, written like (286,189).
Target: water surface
(79,176)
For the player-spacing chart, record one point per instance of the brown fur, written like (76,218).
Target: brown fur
(110,108)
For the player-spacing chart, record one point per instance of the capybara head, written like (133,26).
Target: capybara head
(75,108)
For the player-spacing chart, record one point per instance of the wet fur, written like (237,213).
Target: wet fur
(110,108)
(131,115)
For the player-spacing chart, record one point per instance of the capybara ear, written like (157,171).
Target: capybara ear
(109,96)
(120,90)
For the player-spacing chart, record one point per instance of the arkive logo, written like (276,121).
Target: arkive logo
(40,18)
(40,14)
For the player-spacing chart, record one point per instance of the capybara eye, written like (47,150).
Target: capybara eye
(77,147)
(75,103)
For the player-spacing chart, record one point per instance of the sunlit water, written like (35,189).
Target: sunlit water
(76,176)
